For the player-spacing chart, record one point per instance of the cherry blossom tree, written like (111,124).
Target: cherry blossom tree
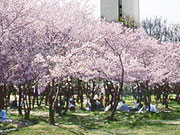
(42,43)
(14,17)
(125,55)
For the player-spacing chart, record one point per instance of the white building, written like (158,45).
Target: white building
(112,10)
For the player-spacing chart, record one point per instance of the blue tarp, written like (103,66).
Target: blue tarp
(2,115)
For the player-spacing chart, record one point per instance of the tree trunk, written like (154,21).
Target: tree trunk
(148,97)
(178,98)
(2,97)
(27,114)
(51,106)
(118,93)
(51,115)
(81,97)
(20,101)
(61,105)
(116,99)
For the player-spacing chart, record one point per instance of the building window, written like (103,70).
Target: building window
(120,8)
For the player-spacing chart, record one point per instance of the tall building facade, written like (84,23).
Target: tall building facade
(112,10)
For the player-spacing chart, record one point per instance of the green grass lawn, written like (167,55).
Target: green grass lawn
(94,123)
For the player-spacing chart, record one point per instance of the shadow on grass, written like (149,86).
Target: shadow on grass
(94,120)
(133,120)
(130,120)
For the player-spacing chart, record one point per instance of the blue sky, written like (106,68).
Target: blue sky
(168,9)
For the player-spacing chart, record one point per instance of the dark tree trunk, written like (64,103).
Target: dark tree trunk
(46,96)
(138,92)
(27,114)
(61,105)
(27,101)
(119,91)
(51,103)
(177,91)
(29,97)
(20,101)
(165,100)
(51,115)
(133,91)
(178,98)
(148,96)
(37,95)
(41,99)
(92,101)
(81,96)
(2,105)
(116,99)
(33,101)
(107,99)
(6,101)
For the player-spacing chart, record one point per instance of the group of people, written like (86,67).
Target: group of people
(97,105)
(70,104)
(138,107)
(122,106)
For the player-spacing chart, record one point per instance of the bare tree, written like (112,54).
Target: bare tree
(161,30)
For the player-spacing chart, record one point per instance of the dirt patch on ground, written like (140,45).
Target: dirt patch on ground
(80,114)
(167,122)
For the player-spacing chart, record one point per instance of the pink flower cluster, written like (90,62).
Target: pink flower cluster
(42,40)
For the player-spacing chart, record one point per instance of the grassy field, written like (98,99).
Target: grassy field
(95,123)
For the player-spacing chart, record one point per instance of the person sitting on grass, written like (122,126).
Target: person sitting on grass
(2,115)
(153,108)
(71,104)
(98,105)
(123,107)
(108,107)
(14,104)
(146,108)
(137,106)
(88,105)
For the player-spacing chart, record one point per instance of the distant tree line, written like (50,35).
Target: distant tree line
(161,30)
